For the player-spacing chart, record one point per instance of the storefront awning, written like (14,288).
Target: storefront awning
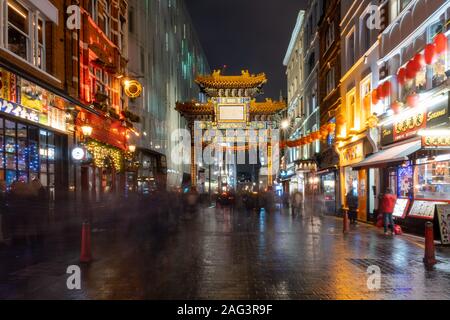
(393,154)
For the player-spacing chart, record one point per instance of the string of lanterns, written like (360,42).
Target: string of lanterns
(409,72)
(321,134)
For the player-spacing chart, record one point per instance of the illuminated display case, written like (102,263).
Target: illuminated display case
(433,179)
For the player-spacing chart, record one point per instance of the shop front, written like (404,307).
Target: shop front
(355,181)
(414,161)
(102,171)
(328,175)
(33,135)
(152,172)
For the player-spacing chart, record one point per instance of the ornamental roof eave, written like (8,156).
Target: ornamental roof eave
(194,108)
(218,81)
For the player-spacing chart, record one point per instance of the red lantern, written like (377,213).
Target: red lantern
(420,60)
(396,106)
(380,92)
(387,89)
(412,100)
(441,43)
(411,69)
(375,98)
(401,76)
(430,53)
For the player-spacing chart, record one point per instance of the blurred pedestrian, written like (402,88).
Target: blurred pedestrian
(296,202)
(387,207)
(352,204)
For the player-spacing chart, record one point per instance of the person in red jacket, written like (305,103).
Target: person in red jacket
(387,207)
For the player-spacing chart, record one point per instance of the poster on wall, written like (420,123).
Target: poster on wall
(401,205)
(443,212)
(423,209)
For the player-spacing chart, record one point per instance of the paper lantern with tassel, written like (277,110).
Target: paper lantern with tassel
(430,53)
(441,43)
(401,76)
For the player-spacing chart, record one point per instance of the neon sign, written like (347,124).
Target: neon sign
(18,111)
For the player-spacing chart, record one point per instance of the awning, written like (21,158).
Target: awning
(393,154)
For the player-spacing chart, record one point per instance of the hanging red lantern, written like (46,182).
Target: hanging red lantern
(430,53)
(380,92)
(411,69)
(375,98)
(396,106)
(413,100)
(401,76)
(331,127)
(441,43)
(420,60)
(387,89)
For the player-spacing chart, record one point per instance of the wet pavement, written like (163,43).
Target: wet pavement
(142,251)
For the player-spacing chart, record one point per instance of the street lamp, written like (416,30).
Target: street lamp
(132,148)
(87,131)
(285,124)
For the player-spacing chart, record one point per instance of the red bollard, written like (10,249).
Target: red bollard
(430,258)
(346,222)
(86,255)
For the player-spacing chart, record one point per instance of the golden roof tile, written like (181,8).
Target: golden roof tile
(244,81)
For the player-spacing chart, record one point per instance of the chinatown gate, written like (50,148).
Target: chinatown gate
(231,127)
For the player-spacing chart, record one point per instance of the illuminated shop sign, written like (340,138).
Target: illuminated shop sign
(409,127)
(18,111)
(435,142)
(353,154)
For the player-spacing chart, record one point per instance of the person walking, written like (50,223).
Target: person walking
(296,202)
(387,207)
(352,204)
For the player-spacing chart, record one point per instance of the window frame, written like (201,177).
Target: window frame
(36,50)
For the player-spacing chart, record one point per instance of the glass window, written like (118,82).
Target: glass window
(433,180)
(21,24)
(10,177)
(18,29)
(10,145)
(34,156)
(21,130)
(10,128)
(10,161)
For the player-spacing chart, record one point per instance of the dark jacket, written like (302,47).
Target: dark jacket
(352,201)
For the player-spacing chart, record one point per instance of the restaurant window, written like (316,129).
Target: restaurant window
(25,36)
(441,65)
(433,178)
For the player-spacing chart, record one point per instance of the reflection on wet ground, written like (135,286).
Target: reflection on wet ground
(147,251)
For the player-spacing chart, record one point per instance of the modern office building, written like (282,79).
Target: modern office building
(165,55)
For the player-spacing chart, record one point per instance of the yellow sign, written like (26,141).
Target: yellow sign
(352,154)
(133,89)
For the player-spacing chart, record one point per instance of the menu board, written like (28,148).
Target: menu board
(400,208)
(444,222)
(423,209)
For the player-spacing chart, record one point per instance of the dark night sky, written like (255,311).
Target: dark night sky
(247,34)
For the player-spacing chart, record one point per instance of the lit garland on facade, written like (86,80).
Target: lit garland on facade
(101,152)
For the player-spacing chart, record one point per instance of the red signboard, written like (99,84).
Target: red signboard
(105,130)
